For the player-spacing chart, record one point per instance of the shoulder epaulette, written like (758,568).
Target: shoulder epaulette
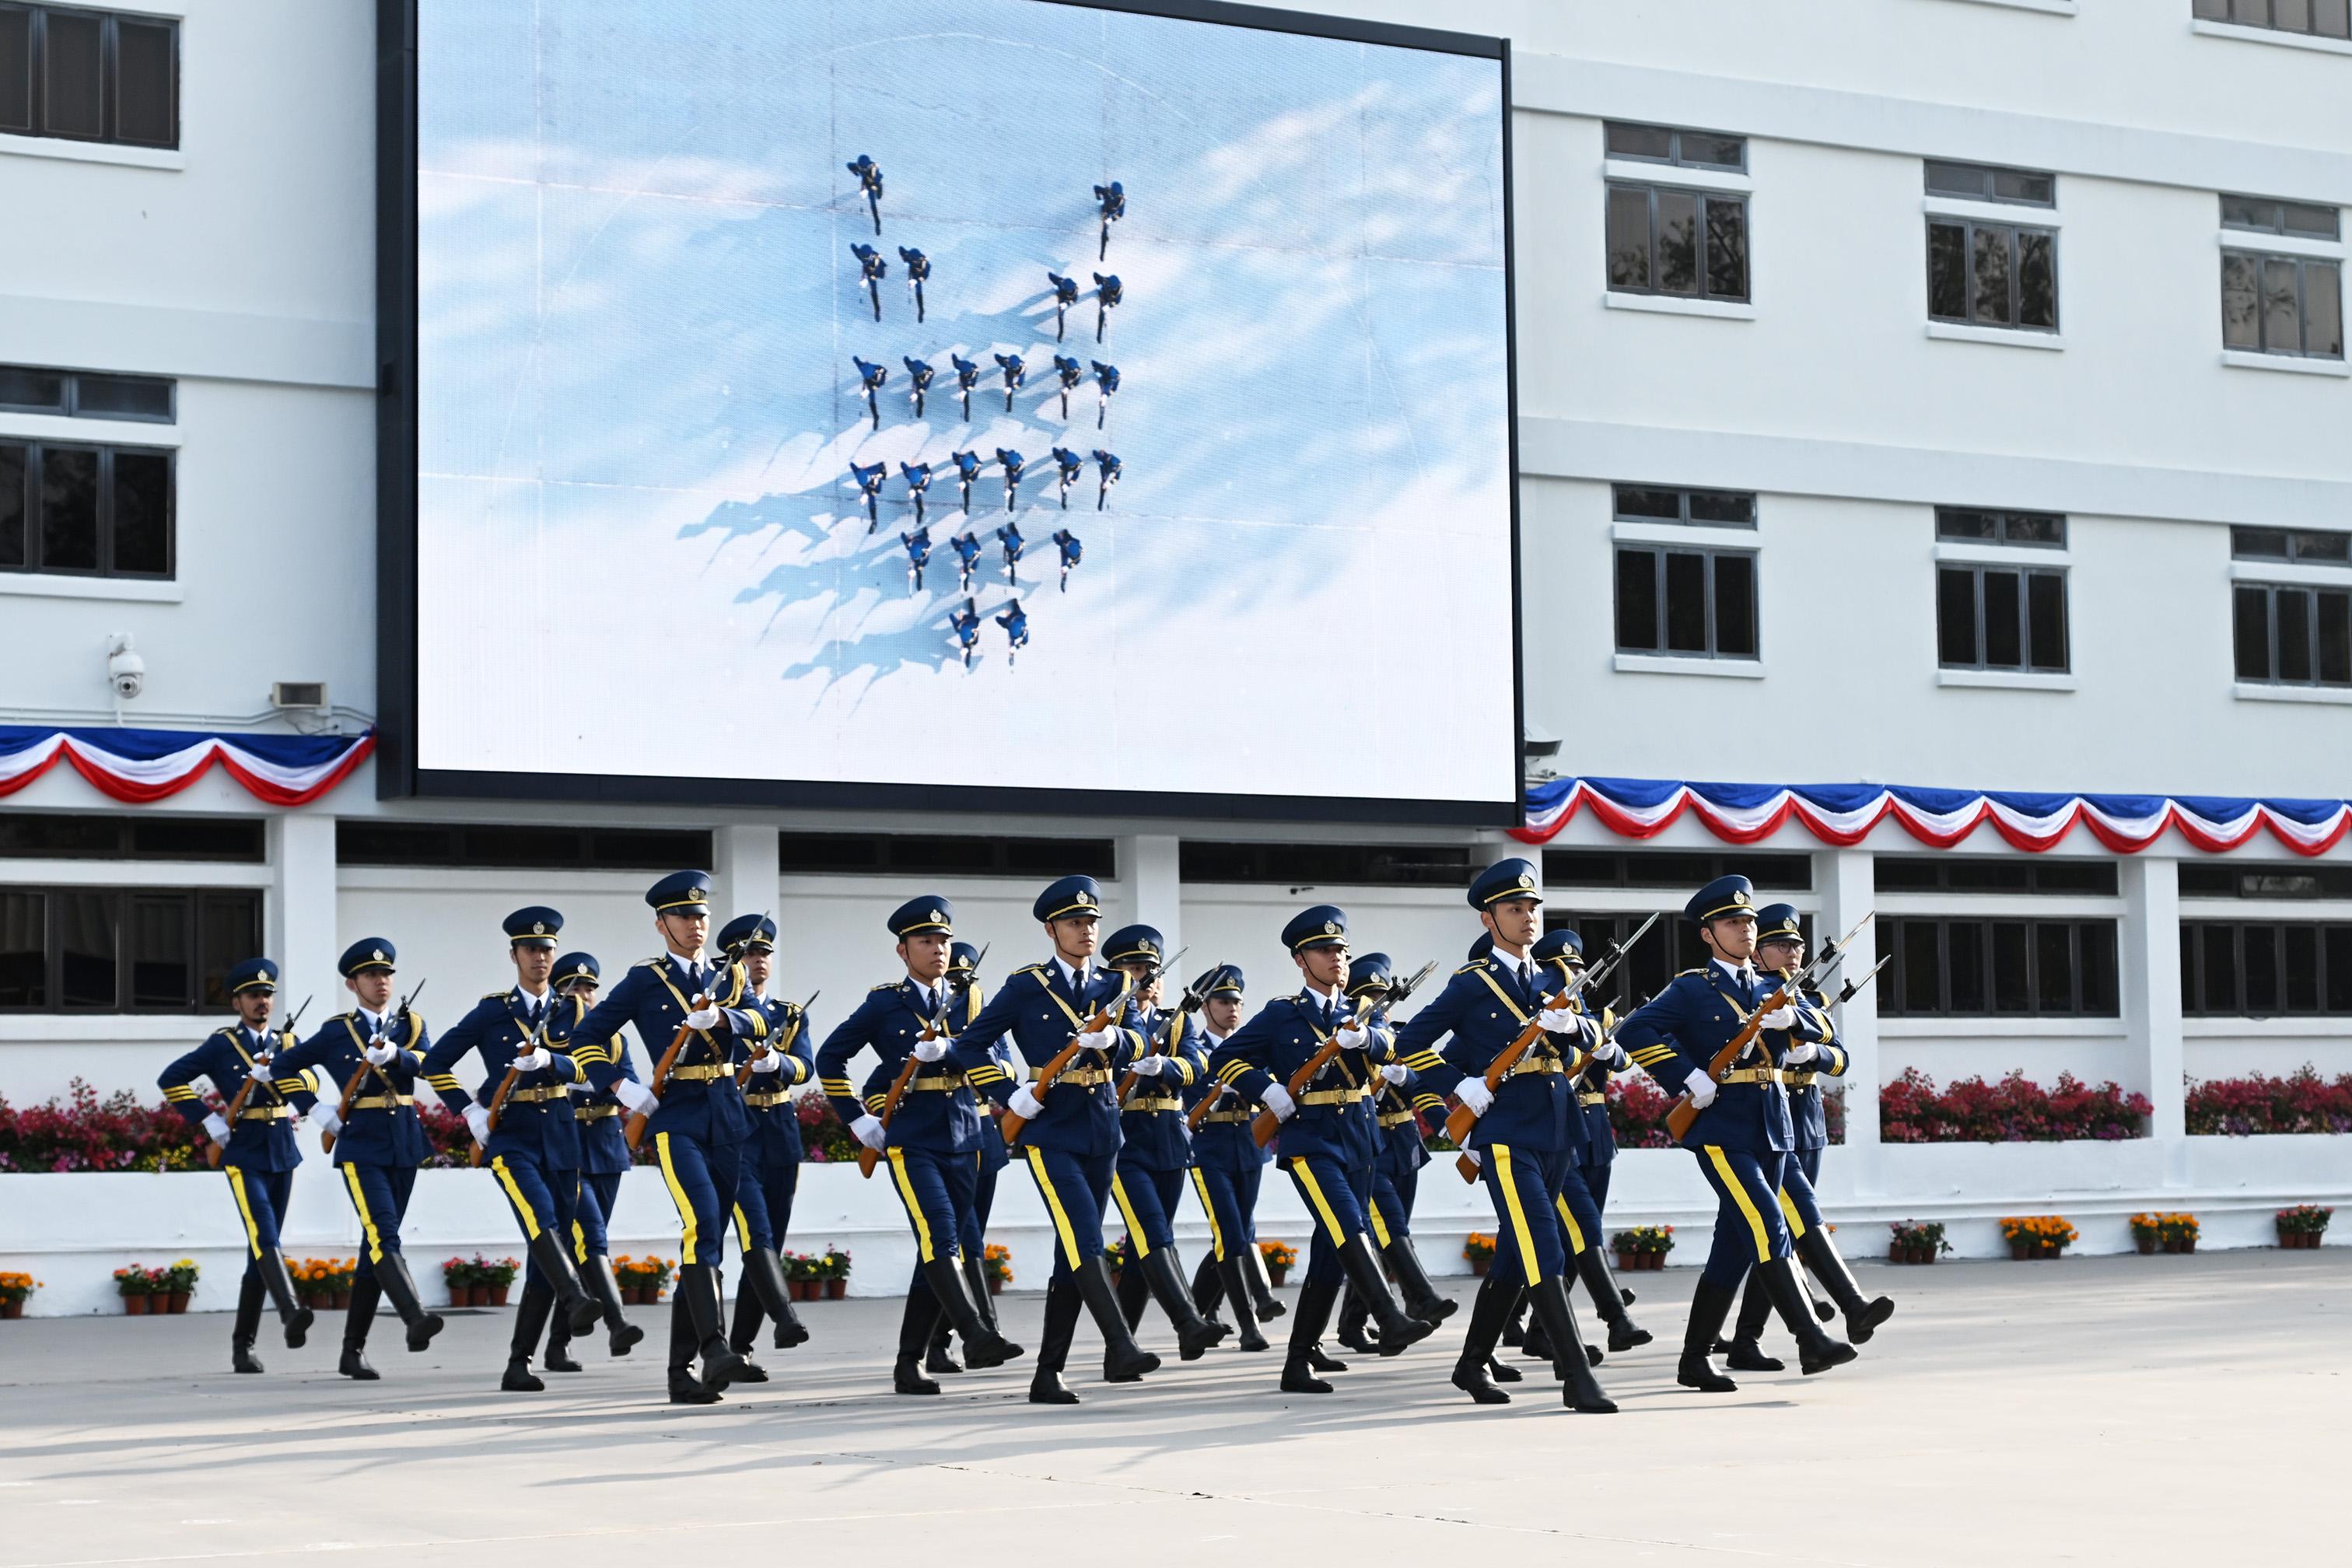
(652,962)
(1688,973)
(885,985)
(1473,966)
(493,996)
(1037,970)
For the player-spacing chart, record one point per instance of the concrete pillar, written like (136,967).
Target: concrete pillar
(1847,879)
(1155,893)
(2150,965)
(743,873)
(299,914)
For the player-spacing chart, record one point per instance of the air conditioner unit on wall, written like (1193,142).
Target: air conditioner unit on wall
(308,694)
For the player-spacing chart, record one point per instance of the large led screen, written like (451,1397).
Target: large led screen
(1008,395)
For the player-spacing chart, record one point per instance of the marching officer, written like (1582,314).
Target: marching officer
(1070,1138)
(771,1154)
(603,1160)
(1154,1151)
(932,1139)
(697,1121)
(1326,1142)
(1597,1152)
(368,1058)
(1399,1155)
(258,1153)
(963,975)
(1742,1135)
(1228,1167)
(1522,1140)
(521,1117)
(1780,949)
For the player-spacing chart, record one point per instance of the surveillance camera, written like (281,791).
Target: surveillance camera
(125,671)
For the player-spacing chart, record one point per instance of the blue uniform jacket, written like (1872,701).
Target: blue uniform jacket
(1043,1012)
(381,1127)
(1221,1145)
(536,1120)
(937,1111)
(1333,1118)
(776,1121)
(1151,1130)
(1485,1010)
(262,1136)
(700,1100)
(1806,1116)
(1395,1105)
(1678,1032)
(601,1118)
(1600,1145)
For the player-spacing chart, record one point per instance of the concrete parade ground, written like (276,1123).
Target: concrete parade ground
(2098,1409)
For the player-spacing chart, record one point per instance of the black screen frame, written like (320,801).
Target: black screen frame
(398,774)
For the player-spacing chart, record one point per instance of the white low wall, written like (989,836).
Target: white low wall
(73,1231)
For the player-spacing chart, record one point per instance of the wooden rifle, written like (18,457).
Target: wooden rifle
(1191,1002)
(868,1159)
(531,1043)
(1267,1123)
(634,1129)
(352,1084)
(1791,990)
(1013,1121)
(1851,988)
(743,1073)
(245,1089)
(1458,1125)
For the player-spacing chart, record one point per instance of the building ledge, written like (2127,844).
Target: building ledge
(1639,171)
(123,590)
(2259,691)
(1668,664)
(1669,305)
(2294,364)
(2007,679)
(1999,337)
(169,158)
(2269,36)
(2047,7)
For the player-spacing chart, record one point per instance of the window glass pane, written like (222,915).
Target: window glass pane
(1677,242)
(2281,315)
(136,396)
(158,941)
(1685,602)
(1991,263)
(2033,527)
(1664,505)
(2016,185)
(2337,951)
(2222,970)
(1955,616)
(2252,632)
(2037,279)
(1953,522)
(2004,630)
(2054,966)
(2011,993)
(143,514)
(2248,212)
(2046,620)
(70,74)
(24,951)
(228,932)
(2300,959)
(2095,965)
(16,73)
(1735,605)
(32,391)
(68,508)
(12,505)
(2188,999)
(2331,19)
(2291,607)
(2241,303)
(1922,990)
(1964,948)
(1637,600)
(1726,248)
(2334,636)
(1704,150)
(2294,16)
(1957,179)
(1629,238)
(2312,222)
(2213,10)
(1722,506)
(2323,309)
(85,931)
(1640,141)
(144,110)
(1948,271)
(2313,545)
(2250,13)
(2262,974)
(2259,543)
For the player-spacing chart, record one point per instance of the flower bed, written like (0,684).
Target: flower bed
(1637,1113)
(1912,1110)
(2038,1235)
(152,1292)
(83,1132)
(2163,1232)
(2300,1226)
(2301,1102)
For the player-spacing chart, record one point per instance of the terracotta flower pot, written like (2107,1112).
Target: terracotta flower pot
(1275,1273)
(996,1286)
(477,1296)
(800,1288)
(2188,1243)
(136,1306)
(632,1297)
(2146,1244)
(12,1309)
(1628,1262)
(497,1296)
(1923,1255)
(179,1300)
(835,1289)
(1478,1265)
(343,1301)
(2021,1250)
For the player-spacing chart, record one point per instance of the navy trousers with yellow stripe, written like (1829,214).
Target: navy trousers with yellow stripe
(1230,1200)
(543,1197)
(1391,1204)
(1335,1195)
(983,1199)
(379,1197)
(1799,1205)
(1147,1201)
(764,1205)
(702,1179)
(260,1198)
(935,1186)
(1578,1211)
(1530,1242)
(1076,1189)
(1749,1228)
(1596,1182)
(593,1215)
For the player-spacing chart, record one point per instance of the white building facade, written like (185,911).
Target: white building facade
(1946,393)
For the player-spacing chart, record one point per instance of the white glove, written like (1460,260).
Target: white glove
(1802,1051)
(772,1062)
(1559,1020)
(477,1123)
(1353,1038)
(533,1060)
(324,1117)
(703,1018)
(1784,1017)
(1473,1092)
(217,1129)
(1278,1099)
(1026,1105)
(1148,1066)
(1474,1156)
(635,1096)
(869,1131)
(1610,1054)
(1395,1072)
(1702,1088)
(381,1052)
(1099,1040)
(932,1050)
(261,1073)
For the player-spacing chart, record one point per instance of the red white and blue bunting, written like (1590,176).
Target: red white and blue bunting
(142,765)
(1844,814)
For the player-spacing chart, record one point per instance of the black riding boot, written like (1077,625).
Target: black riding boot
(745,1333)
(1421,1297)
(1298,1369)
(1353,1316)
(1580,1390)
(938,1359)
(982,1348)
(557,1357)
(620,1335)
(531,1321)
(1123,1359)
(580,1308)
(1133,1289)
(1195,1335)
(1488,1308)
(685,1388)
(698,1286)
(249,1294)
(1710,1304)
(399,1288)
(279,1283)
(1063,1306)
(1269,1307)
(1363,1265)
(914,1333)
(1743,1352)
(1861,1317)
(1816,1352)
(983,1303)
(354,1365)
(1208,1285)
(1235,1290)
(1601,1284)
(1515,1327)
